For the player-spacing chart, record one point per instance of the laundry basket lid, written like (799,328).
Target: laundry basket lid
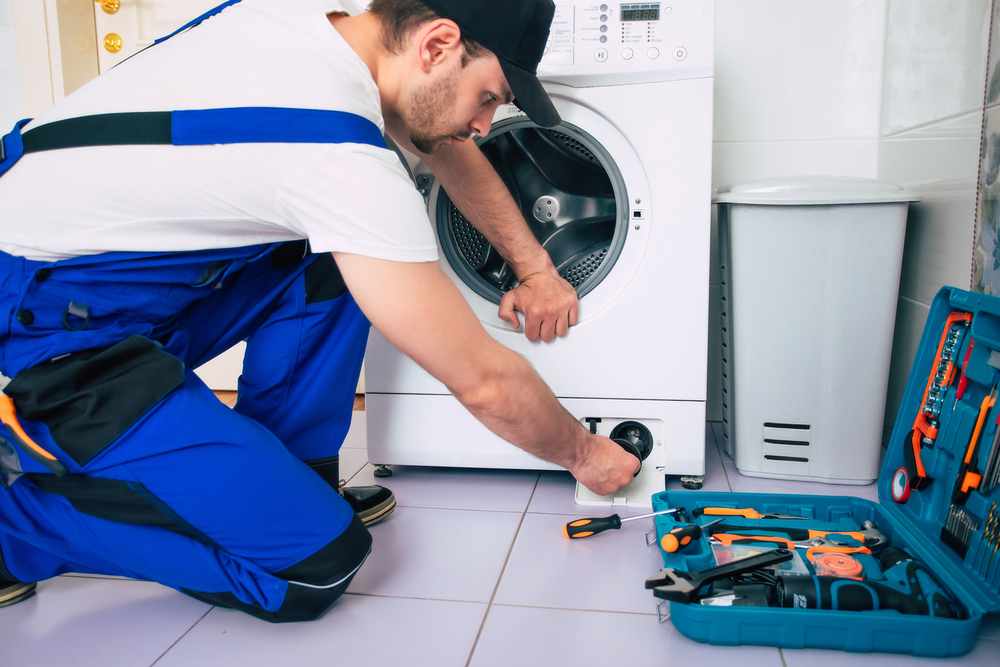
(814,190)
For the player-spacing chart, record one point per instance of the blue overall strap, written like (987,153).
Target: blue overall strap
(11,147)
(200,127)
(190,24)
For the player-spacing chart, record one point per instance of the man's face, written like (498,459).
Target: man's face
(455,102)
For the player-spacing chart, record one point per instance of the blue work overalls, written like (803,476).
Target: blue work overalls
(157,479)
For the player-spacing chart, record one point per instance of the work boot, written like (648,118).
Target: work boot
(12,592)
(370,503)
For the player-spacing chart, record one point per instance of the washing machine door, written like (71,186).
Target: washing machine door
(570,193)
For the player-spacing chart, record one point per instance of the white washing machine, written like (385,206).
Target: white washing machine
(619,194)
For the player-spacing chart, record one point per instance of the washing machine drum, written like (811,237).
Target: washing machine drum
(571,195)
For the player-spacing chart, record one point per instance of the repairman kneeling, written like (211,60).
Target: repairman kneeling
(253,198)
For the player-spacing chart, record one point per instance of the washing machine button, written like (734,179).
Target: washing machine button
(627,54)
(653,53)
(680,53)
(600,55)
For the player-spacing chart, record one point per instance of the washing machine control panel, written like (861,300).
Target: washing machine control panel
(604,43)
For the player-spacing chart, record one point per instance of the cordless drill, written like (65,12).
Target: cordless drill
(909,588)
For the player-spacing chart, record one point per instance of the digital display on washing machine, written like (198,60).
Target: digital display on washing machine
(640,12)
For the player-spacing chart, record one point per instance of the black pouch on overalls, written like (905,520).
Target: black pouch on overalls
(89,398)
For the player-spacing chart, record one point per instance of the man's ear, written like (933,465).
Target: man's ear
(437,42)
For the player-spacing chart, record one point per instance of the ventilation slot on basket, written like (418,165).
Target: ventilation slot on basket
(572,144)
(785,448)
(796,459)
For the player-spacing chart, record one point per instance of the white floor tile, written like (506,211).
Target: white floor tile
(456,488)
(357,630)
(535,637)
(438,554)
(605,572)
(106,623)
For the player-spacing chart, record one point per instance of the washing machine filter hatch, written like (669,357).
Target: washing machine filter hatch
(570,193)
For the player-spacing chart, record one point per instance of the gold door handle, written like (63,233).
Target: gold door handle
(112,42)
(109,6)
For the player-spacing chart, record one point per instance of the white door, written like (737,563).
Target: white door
(127,26)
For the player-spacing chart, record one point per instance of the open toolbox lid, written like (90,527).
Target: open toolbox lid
(925,512)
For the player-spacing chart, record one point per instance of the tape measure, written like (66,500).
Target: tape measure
(838,565)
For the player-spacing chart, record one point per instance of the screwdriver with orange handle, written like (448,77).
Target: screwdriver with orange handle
(783,542)
(680,537)
(592,526)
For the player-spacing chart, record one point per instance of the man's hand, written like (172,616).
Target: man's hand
(549,304)
(606,467)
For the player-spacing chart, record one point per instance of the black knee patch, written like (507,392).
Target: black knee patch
(328,573)
(323,280)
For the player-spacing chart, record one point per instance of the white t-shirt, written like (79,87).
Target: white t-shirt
(284,53)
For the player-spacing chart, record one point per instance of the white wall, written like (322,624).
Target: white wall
(797,91)
(10,86)
(932,114)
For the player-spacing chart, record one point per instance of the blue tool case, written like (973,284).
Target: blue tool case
(939,503)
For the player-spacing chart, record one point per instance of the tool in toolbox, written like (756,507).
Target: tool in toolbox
(838,565)
(682,536)
(746,513)
(683,586)
(909,588)
(991,471)
(989,536)
(912,476)
(869,535)
(960,525)
(592,526)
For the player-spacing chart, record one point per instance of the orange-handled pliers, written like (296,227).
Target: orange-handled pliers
(9,417)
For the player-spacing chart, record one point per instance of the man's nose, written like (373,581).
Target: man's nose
(482,122)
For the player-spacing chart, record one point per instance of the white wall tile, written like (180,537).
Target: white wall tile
(6,12)
(10,81)
(935,60)
(794,69)
(741,162)
(940,162)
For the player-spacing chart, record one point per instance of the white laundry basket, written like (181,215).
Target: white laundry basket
(809,278)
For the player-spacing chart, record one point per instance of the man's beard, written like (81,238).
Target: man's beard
(428,105)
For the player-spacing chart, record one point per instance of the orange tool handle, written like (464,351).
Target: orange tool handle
(9,417)
(729,539)
(580,528)
(728,511)
(963,380)
(682,536)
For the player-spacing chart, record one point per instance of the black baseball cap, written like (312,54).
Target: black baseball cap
(516,31)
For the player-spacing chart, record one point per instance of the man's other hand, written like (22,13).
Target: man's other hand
(549,304)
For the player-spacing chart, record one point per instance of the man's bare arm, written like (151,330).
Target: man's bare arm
(548,302)
(419,310)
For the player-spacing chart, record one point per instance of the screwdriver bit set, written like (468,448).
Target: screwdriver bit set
(930,547)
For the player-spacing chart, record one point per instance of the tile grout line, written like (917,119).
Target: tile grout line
(182,636)
(506,560)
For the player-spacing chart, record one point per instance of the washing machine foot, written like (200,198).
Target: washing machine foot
(382,470)
(692,482)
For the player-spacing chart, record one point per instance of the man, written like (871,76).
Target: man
(116,458)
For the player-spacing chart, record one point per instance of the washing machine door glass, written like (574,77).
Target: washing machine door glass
(570,193)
